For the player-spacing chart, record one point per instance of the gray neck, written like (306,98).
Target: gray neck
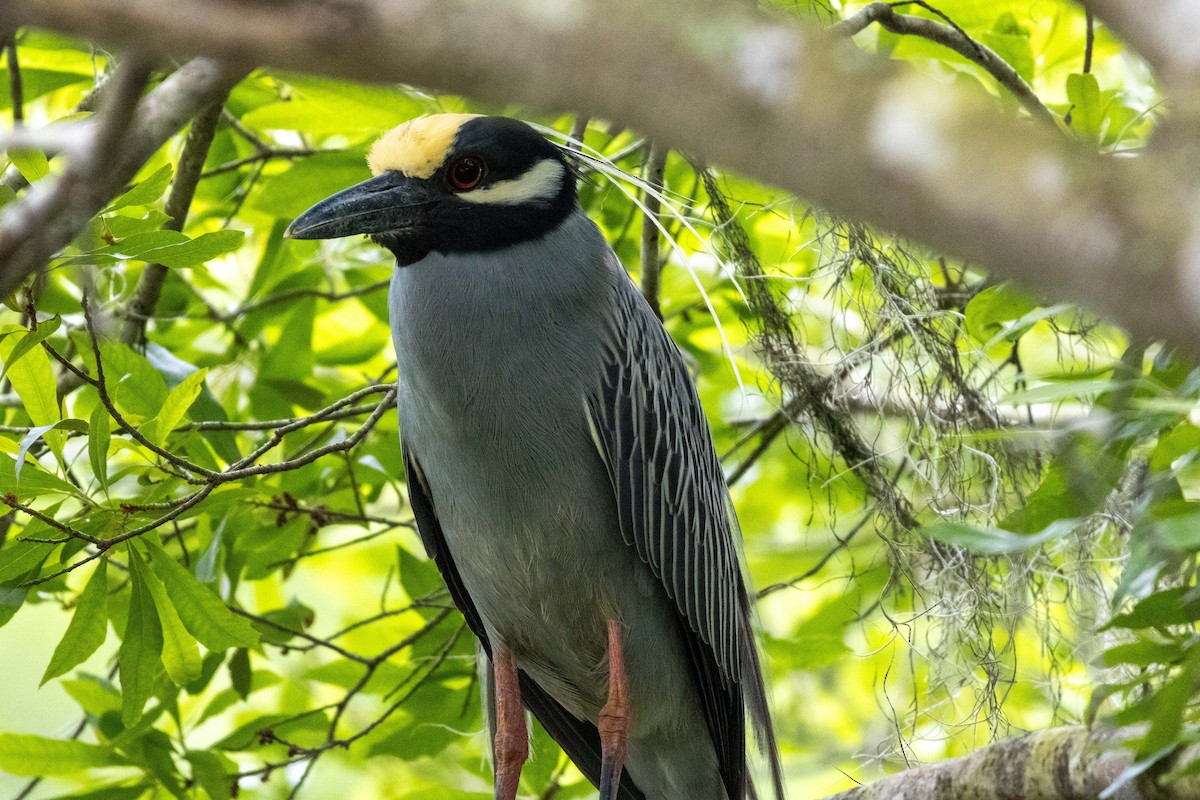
(515,330)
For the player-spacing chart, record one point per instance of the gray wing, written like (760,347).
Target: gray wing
(674,508)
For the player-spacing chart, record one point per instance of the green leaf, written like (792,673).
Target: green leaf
(136,246)
(995,541)
(1074,485)
(1004,313)
(240,674)
(141,650)
(37,756)
(133,383)
(36,482)
(202,612)
(100,434)
(146,192)
(1134,770)
(19,557)
(1176,606)
(322,106)
(1013,48)
(166,247)
(32,379)
(305,182)
(116,791)
(415,739)
(418,576)
(88,626)
(180,653)
(121,226)
(1054,391)
(11,600)
(32,164)
(96,696)
(295,616)
(40,431)
(1170,704)
(1087,105)
(195,252)
(29,341)
(290,726)
(1141,654)
(213,772)
(178,402)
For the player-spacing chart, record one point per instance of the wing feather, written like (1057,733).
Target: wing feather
(673,507)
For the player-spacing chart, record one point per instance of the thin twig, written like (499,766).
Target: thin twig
(16,86)
(11,501)
(179,201)
(268,425)
(578,131)
(842,543)
(656,164)
(316,641)
(1090,41)
(102,389)
(52,212)
(955,38)
(267,155)
(284,297)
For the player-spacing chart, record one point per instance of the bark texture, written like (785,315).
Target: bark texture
(1071,763)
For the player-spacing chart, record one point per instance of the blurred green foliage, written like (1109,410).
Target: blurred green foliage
(214,611)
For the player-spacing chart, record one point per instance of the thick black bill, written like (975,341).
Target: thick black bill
(389,203)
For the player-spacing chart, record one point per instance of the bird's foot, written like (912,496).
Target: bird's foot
(511,745)
(614,717)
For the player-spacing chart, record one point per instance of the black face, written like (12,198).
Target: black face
(415,216)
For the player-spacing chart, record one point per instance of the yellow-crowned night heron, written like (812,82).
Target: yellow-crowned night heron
(559,466)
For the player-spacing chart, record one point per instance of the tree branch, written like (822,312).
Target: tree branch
(804,388)
(49,216)
(16,87)
(179,201)
(1072,763)
(1164,32)
(954,38)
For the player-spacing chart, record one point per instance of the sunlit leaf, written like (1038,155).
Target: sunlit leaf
(180,654)
(98,441)
(202,612)
(141,648)
(147,191)
(37,755)
(88,627)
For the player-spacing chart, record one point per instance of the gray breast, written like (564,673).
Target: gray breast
(495,354)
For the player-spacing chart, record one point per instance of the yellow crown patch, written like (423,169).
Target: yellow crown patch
(417,147)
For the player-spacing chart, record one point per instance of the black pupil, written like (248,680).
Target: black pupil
(467,172)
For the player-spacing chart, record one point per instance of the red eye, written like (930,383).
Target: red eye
(465,173)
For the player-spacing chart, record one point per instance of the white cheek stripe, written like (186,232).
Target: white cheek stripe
(543,181)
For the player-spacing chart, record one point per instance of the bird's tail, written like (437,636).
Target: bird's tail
(760,717)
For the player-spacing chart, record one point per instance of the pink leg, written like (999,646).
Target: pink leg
(511,746)
(614,717)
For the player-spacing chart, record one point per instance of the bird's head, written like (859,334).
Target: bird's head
(450,183)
